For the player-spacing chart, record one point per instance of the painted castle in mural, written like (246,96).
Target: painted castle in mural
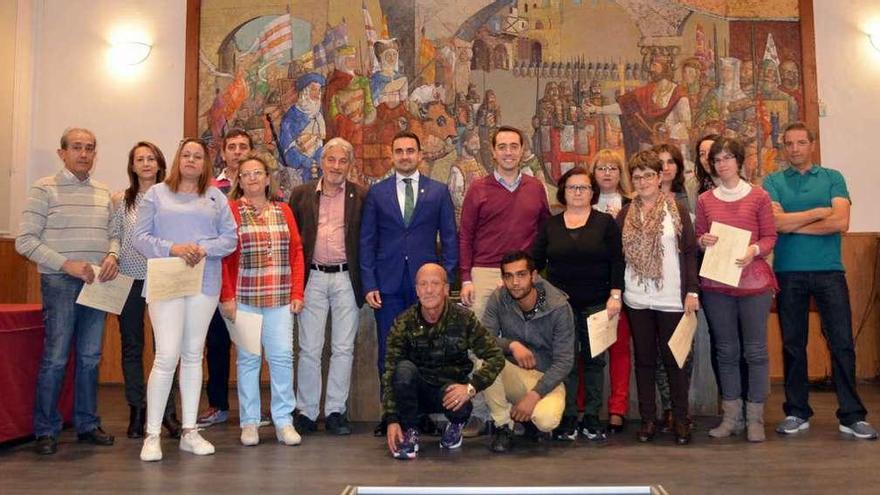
(576,75)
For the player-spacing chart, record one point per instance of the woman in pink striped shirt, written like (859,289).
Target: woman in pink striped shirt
(738,314)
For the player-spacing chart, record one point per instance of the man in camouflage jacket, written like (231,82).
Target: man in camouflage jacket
(427,364)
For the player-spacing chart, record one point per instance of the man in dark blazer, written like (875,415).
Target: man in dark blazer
(328,213)
(402,218)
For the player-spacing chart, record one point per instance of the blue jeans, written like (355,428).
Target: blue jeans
(277,339)
(739,332)
(831,293)
(67,322)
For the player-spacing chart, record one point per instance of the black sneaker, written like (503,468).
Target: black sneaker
(381,429)
(337,424)
(46,445)
(567,429)
(304,425)
(591,429)
(502,440)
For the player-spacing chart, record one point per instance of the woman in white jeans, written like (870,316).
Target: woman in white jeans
(264,275)
(183,217)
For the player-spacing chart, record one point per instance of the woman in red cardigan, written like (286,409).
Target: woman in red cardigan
(264,275)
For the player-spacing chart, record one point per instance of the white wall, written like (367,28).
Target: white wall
(849,85)
(73,84)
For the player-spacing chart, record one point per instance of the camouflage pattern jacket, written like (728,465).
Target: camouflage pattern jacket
(440,351)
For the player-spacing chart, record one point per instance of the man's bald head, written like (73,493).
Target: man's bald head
(431,268)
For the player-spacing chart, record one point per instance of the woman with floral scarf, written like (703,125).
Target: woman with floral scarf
(661,285)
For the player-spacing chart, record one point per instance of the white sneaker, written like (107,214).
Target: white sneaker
(249,435)
(193,442)
(152,449)
(287,435)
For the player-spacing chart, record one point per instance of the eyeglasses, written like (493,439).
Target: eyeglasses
(647,176)
(578,189)
(723,158)
(607,169)
(253,174)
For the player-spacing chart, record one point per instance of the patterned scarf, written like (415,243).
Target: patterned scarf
(642,238)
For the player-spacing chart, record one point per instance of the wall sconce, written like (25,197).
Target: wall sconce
(129,52)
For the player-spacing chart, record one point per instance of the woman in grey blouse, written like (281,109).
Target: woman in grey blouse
(146,166)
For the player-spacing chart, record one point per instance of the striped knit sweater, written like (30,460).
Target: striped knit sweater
(66,219)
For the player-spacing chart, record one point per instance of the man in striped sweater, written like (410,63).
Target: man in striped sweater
(65,230)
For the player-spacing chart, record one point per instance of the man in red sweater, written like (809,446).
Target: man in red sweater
(505,209)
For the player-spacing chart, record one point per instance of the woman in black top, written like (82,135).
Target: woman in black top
(583,249)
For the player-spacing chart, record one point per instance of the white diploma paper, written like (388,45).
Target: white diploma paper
(245,332)
(169,278)
(683,338)
(107,296)
(602,331)
(719,264)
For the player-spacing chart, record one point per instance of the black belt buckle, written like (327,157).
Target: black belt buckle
(330,268)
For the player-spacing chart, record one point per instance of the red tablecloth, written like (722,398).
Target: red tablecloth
(21,346)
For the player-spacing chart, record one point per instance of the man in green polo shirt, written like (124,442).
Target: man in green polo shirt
(811,207)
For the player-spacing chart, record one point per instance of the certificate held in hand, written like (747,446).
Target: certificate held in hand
(602,331)
(683,338)
(107,296)
(719,263)
(170,278)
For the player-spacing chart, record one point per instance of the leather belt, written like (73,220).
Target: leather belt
(342,267)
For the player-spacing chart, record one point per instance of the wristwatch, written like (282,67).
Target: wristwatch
(471,390)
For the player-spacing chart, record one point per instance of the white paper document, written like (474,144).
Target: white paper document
(719,263)
(107,296)
(245,332)
(683,338)
(170,278)
(602,331)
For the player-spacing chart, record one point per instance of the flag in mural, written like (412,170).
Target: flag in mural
(427,51)
(372,37)
(324,52)
(274,41)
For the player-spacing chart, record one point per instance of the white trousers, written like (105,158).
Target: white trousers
(179,329)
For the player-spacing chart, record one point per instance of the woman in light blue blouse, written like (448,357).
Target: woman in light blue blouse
(146,167)
(187,218)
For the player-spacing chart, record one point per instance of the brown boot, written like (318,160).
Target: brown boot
(755,421)
(682,430)
(731,422)
(647,430)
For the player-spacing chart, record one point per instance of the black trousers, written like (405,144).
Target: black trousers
(415,396)
(131,331)
(651,330)
(217,346)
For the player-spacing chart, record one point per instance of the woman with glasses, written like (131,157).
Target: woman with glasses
(582,248)
(661,286)
(183,217)
(264,275)
(738,315)
(615,191)
(146,167)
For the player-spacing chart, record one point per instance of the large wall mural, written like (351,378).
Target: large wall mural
(576,75)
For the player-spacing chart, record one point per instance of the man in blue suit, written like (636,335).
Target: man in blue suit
(402,217)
